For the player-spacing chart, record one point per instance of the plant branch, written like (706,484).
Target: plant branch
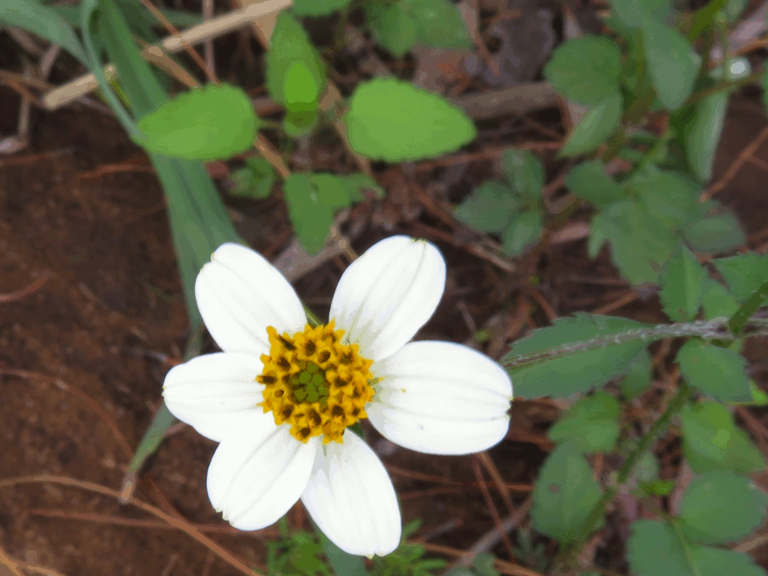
(658,428)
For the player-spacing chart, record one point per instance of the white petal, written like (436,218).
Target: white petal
(441,398)
(210,391)
(258,472)
(351,498)
(239,294)
(387,294)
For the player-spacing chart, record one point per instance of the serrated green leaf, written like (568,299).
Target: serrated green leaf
(585,69)
(719,233)
(210,123)
(744,273)
(672,63)
(41,20)
(592,423)
(589,181)
(711,441)
(578,372)
(312,200)
(682,285)
(700,132)
(594,127)
(523,231)
(640,242)
(717,372)
(489,208)
(393,26)
(318,7)
(393,120)
(288,45)
(524,171)
(565,494)
(639,376)
(718,301)
(656,549)
(721,507)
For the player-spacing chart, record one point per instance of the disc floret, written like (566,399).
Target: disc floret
(314,382)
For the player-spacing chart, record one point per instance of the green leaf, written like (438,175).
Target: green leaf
(682,285)
(288,45)
(639,375)
(636,13)
(300,89)
(489,208)
(297,124)
(565,494)
(659,487)
(393,120)
(719,233)
(318,7)
(672,63)
(711,441)
(647,468)
(41,20)
(656,549)
(524,230)
(439,24)
(718,301)
(582,370)
(640,242)
(393,26)
(524,171)
(589,181)
(721,507)
(255,180)
(592,423)
(744,273)
(701,133)
(585,69)
(358,185)
(211,123)
(342,563)
(312,200)
(713,562)
(594,128)
(718,372)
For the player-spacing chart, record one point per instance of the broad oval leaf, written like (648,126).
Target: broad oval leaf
(592,423)
(288,45)
(210,123)
(718,372)
(589,181)
(594,128)
(712,441)
(744,273)
(701,133)
(585,69)
(721,507)
(682,285)
(312,200)
(392,120)
(393,27)
(565,494)
(438,23)
(489,208)
(672,63)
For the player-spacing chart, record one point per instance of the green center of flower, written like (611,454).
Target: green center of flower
(314,383)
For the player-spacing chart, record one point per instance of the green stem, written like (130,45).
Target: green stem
(658,428)
(738,321)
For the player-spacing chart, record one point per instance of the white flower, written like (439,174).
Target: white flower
(280,396)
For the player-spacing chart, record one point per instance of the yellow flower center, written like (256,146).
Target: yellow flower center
(314,382)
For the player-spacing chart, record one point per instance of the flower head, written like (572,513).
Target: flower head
(282,394)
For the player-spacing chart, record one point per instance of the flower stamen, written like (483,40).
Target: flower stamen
(314,382)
